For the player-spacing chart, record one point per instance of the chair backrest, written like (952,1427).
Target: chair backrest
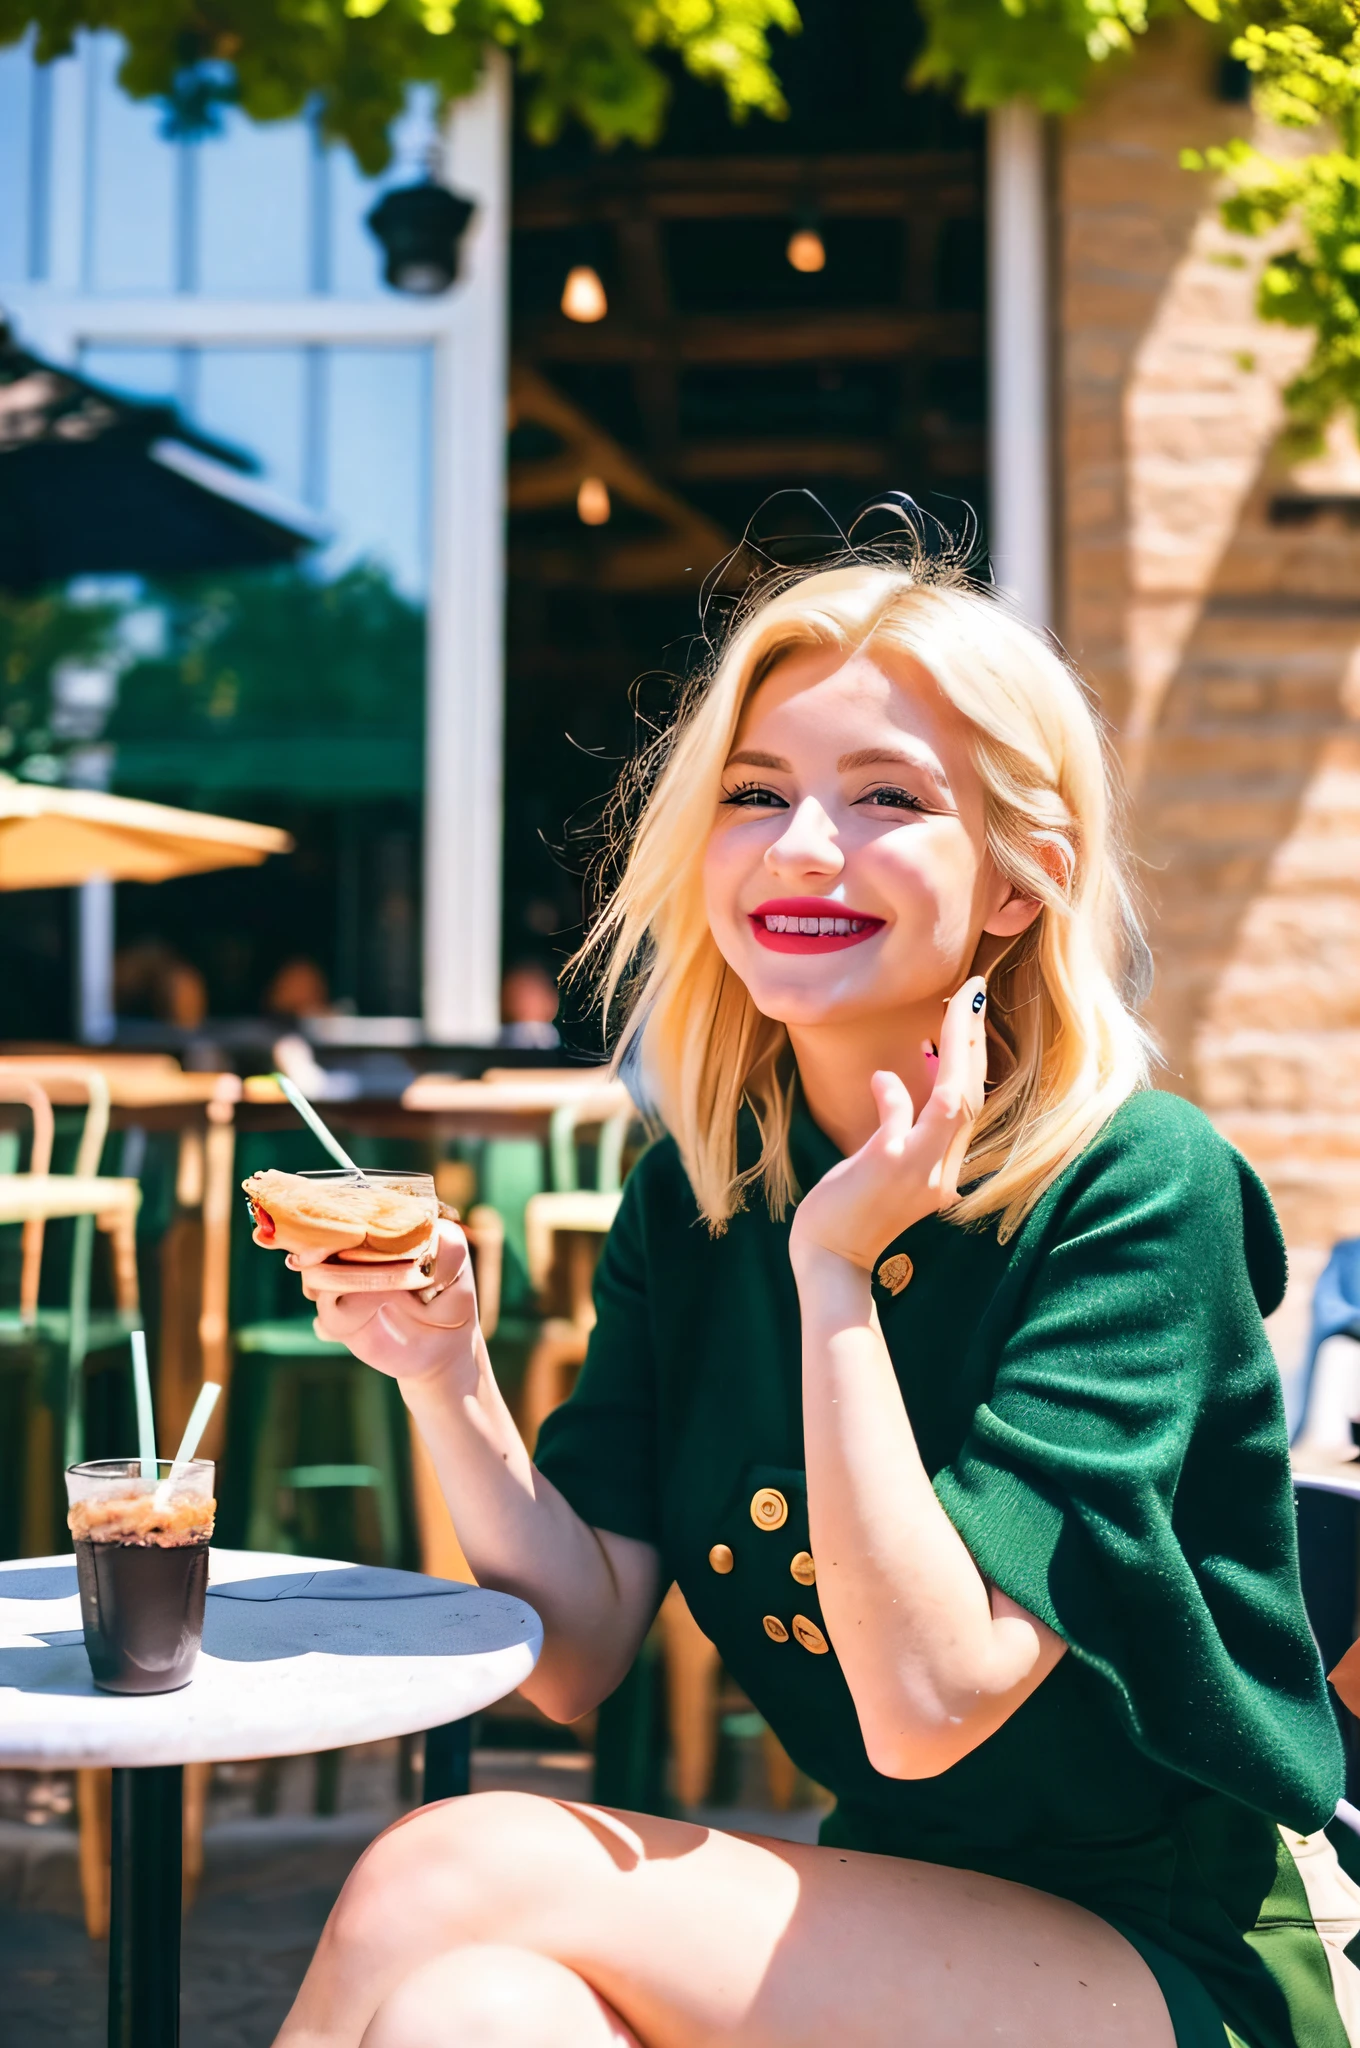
(613,1135)
(21,1087)
(66,1080)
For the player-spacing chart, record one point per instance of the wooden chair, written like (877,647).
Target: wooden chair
(95,1201)
(21,1087)
(563,1232)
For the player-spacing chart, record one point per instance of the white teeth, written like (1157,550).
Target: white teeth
(814,927)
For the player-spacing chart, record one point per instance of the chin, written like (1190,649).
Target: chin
(789,1001)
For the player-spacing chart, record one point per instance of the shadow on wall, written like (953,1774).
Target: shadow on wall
(1225,642)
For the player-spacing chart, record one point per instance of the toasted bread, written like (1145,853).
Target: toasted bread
(345,1219)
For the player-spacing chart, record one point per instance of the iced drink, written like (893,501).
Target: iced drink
(142,1569)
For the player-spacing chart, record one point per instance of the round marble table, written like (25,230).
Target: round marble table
(299,1654)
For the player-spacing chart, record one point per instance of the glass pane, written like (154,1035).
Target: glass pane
(141,372)
(254,213)
(16,85)
(377,460)
(132,185)
(256,400)
(355,260)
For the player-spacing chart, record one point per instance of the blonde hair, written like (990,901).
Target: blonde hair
(1057,1021)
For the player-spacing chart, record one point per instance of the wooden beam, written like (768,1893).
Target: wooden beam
(870,334)
(938,182)
(827,455)
(691,537)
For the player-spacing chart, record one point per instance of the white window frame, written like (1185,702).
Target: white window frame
(466,330)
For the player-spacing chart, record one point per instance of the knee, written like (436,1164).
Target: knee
(492,1997)
(456,1868)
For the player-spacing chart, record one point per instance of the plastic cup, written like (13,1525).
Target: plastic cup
(142,1568)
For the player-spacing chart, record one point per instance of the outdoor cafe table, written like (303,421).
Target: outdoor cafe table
(299,1654)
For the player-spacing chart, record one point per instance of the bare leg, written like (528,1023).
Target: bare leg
(694,1938)
(495,1998)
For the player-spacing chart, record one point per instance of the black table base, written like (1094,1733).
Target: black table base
(147,1885)
(448,1761)
(144,1907)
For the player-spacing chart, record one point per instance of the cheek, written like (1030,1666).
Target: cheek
(928,873)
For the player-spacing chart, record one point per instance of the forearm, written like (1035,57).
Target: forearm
(932,1661)
(594,1595)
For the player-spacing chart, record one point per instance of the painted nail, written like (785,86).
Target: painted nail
(978,1000)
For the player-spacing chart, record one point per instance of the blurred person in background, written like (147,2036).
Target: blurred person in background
(529,1002)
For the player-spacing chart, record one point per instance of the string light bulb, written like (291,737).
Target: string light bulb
(806,251)
(592,502)
(583,296)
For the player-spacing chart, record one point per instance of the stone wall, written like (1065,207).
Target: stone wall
(1225,644)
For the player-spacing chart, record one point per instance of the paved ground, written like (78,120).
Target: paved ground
(268,1883)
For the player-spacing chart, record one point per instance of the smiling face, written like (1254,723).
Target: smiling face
(847,876)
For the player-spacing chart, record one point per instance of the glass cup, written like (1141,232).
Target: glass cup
(142,1568)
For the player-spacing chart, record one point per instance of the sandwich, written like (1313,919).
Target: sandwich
(355,1222)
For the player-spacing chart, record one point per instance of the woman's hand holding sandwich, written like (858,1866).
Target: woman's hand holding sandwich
(411,1335)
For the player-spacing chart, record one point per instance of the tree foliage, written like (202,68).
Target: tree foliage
(1304,57)
(593,61)
(1304,61)
(991,51)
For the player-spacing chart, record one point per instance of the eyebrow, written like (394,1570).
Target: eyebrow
(864,757)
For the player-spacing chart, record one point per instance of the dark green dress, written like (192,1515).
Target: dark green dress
(1100,1411)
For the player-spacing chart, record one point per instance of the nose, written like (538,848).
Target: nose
(806,847)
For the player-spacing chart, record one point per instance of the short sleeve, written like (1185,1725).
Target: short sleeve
(599,1447)
(1127,1478)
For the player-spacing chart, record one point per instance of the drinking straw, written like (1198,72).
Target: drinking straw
(146,1421)
(191,1439)
(316,1127)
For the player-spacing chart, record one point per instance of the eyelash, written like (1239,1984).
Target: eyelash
(888,797)
(739,797)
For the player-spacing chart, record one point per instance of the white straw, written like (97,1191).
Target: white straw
(191,1439)
(316,1127)
(146,1421)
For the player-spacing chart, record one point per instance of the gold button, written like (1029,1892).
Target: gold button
(769,1509)
(775,1629)
(803,1569)
(721,1558)
(895,1272)
(809,1635)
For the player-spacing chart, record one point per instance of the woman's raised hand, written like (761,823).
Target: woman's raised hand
(393,1329)
(910,1166)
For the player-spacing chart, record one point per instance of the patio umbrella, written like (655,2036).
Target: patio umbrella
(95,483)
(53,838)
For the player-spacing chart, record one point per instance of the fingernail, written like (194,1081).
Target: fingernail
(978,1000)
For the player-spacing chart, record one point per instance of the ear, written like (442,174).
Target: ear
(1015,914)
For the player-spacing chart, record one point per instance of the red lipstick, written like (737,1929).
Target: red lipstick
(811,924)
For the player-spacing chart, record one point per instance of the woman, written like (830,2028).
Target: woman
(1010,1564)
